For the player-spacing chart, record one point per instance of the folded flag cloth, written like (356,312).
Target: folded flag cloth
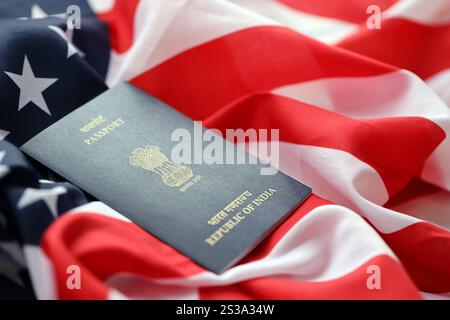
(363,116)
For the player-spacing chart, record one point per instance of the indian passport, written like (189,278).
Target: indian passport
(118,147)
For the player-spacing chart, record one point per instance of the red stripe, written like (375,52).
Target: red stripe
(103,246)
(415,189)
(423,247)
(352,10)
(395,284)
(425,50)
(201,80)
(424,250)
(395,147)
(120,21)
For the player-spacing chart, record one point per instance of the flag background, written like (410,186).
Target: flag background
(363,116)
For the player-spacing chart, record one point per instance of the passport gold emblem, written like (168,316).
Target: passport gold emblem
(151,159)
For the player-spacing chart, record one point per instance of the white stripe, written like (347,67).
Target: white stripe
(396,94)
(130,286)
(435,296)
(165,28)
(100,208)
(440,83)
(433,12)
(324,29)
(433,207)
(41,273)
(116,295)
(344,179)
(101,6)
(328,243)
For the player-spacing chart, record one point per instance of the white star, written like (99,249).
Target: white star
(31,87)
(38,13)
(3,134)
(68,36)
(49,196)
(3,169)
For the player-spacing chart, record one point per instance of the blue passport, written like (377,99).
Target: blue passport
(118,147)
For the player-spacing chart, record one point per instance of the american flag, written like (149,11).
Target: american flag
(363,114)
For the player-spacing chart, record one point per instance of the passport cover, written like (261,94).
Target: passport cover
(117,148)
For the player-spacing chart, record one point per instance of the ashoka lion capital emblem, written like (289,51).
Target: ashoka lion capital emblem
(150,158)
